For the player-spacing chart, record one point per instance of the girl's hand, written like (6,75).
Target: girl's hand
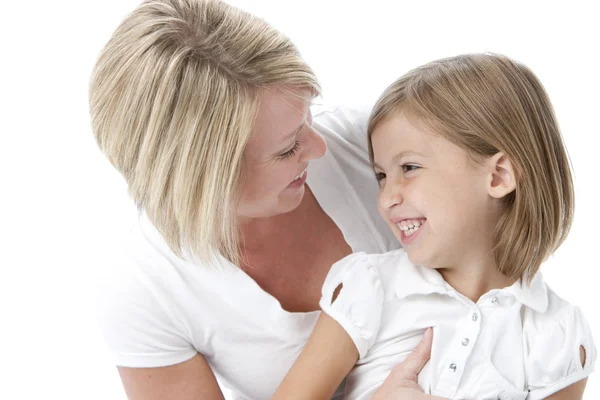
(401,383)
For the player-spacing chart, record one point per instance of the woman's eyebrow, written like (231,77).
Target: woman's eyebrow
(294,133)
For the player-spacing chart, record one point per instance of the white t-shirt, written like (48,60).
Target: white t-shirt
(156,310)
(517,343)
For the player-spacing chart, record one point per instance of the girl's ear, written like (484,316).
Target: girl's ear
(502,179)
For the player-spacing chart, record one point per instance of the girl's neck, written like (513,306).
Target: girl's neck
(475,278)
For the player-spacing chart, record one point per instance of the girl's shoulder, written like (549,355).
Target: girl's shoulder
(559,349)
(548,310)
(387,272)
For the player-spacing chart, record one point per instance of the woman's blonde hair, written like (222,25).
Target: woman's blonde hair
(487,103)
(173,98)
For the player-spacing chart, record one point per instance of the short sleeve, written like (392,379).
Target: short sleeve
(359,303)
(553,361)
(136,323)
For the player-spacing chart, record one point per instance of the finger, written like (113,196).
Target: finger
(414,363)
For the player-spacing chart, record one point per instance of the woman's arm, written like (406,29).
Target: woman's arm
(324,362)
(190,380)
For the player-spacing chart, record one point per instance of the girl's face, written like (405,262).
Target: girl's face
(277,155)
(434,197)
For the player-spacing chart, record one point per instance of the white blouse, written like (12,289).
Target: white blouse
(520,342)
(155,309)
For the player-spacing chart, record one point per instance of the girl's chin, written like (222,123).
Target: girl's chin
(418,259)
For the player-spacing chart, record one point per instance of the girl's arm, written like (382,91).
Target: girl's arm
(326,359)
(330,354)
(351,294)
(574,391)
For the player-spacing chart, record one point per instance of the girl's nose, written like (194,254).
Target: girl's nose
(390,196)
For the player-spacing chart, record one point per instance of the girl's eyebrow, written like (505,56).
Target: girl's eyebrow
(399,156)
(396,159)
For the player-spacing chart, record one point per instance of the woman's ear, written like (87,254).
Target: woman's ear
(502,179)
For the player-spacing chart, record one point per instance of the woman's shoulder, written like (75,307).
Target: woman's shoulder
(141,255)
(343,124)
(142,259)
(343,180)
(146,299)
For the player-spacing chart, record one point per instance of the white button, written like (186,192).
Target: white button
(465,342)
(475,317)
(452,367)
(495,300)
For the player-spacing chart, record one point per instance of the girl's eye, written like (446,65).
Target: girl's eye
(291,152)
(379,176)
(409,167)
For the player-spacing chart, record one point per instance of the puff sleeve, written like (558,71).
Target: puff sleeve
(358,306)
(553,361)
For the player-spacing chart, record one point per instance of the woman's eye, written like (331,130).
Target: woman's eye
(409,167)
(379,176)
(291,152)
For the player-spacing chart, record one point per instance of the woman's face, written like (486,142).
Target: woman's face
(277,154)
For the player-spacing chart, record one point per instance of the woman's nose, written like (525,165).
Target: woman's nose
(314,147)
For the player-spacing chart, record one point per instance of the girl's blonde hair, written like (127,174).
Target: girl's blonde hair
(487,103)
(173,98)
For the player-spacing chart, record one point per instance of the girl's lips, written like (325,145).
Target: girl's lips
(410,230)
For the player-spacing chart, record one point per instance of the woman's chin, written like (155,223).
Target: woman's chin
(286,203)
(290,200)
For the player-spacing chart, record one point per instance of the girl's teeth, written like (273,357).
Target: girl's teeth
(409,227)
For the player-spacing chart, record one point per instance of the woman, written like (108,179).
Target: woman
(245,201)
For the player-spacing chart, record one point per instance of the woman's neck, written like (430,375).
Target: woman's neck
(256,233)
(289,255)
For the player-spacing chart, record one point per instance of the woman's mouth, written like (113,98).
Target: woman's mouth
(299,176)
(298,180)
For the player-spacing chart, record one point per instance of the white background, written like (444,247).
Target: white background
(61,200)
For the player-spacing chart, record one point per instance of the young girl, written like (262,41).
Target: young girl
(475,183)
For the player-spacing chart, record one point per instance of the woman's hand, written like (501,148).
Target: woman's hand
(401,383)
